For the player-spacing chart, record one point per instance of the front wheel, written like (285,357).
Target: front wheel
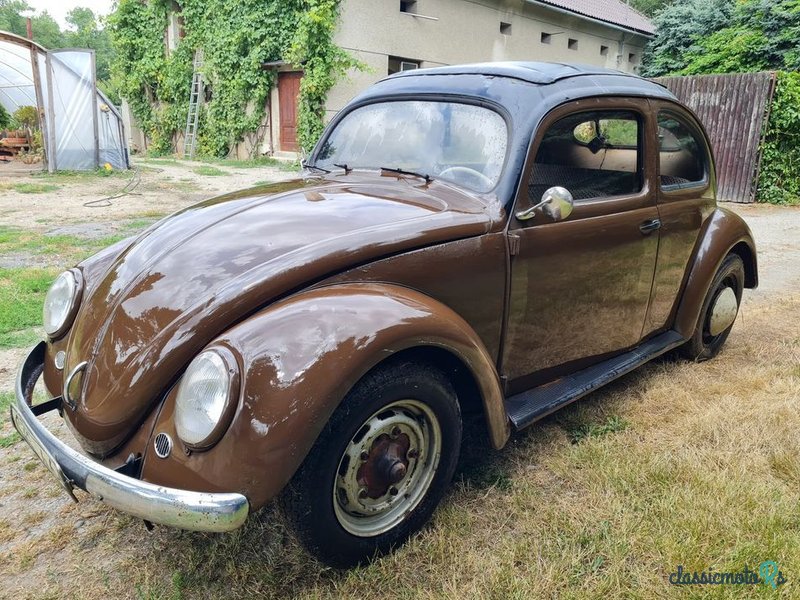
(718,312)
(379,468)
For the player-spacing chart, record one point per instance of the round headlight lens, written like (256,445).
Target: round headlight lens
(60,303)
(204,394)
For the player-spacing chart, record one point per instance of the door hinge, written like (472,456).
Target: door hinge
(513,244)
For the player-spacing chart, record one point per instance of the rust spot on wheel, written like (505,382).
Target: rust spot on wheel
(386,464)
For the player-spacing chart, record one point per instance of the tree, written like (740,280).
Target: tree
(679,29)
(649,7)
(46,31)
(762,35)
(11,18)
(86,33)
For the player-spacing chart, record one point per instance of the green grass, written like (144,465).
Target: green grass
(6,441)
(209,171)
(251,163)
(71,247)
(20,339)
(22,293)
(154,160)
(612,424)
(80,176)
(29,188)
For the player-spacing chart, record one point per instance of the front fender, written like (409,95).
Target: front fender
(298,360)
(724,232)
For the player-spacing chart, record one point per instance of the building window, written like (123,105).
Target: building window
(603,50)
(572,44)
(397,64)
(546,38)
(408,6)
(631,58)
(505,28)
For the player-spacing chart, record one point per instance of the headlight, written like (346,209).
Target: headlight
(206,398)
(61,302)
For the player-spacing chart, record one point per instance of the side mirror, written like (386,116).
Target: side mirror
(557,203)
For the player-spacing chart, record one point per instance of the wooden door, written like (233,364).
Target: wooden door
(288,92)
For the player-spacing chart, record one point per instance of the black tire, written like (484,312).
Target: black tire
(308,500)
(702,345)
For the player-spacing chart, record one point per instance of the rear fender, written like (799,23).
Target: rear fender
(724,232)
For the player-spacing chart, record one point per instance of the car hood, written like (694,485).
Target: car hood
(145,315)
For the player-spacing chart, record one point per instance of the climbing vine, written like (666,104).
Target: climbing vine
(237,37)
(779,177)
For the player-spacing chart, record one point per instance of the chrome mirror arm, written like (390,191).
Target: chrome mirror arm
(560,201)
(529,213)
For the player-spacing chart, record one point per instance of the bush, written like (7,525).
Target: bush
(779,178)
(5,118)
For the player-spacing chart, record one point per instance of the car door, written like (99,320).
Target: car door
(579,287)
(686,198)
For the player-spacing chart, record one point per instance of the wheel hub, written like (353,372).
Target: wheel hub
(386,465)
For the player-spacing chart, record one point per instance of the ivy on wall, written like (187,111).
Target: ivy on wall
(779,177)
(237,38)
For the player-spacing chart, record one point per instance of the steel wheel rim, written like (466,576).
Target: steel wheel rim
(386,468)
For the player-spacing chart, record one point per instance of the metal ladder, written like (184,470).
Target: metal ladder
(190,137)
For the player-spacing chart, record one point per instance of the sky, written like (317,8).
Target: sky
(58,9)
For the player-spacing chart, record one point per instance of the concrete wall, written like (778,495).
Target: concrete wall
(469,31)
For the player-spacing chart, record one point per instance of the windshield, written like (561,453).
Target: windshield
(462,143)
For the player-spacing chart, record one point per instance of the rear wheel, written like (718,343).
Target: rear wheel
(379,468)
(718,312)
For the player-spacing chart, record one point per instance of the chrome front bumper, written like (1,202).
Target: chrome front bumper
(197,511)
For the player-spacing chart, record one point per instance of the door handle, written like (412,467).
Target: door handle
(650,226)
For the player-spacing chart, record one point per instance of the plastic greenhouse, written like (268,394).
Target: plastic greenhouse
(80,128)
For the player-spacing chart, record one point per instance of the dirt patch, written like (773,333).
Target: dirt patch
(157,188)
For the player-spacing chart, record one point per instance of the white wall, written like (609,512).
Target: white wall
(469,31)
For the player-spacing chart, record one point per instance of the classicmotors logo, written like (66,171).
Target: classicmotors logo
(767,574)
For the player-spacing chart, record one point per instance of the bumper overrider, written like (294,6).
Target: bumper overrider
(197,511)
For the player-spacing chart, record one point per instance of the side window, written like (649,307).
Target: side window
(592,154)
(681,156)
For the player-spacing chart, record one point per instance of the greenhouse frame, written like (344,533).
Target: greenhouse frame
(81,129)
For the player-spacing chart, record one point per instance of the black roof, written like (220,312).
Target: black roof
(541,73)
(526,91)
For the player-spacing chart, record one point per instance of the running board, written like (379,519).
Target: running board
(526,408)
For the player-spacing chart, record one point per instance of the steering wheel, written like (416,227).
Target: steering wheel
(465,174)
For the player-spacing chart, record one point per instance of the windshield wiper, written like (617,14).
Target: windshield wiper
(427,178)
(306,165)
(343,166)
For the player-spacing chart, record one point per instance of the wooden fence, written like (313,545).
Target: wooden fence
(734,109)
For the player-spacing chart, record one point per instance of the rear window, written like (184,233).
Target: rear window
(681,154)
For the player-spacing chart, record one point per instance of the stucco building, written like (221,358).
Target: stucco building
(394,35)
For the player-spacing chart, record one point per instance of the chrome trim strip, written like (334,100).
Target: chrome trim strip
(196,511)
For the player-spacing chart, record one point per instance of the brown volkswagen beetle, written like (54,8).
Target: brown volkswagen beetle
(501,238)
